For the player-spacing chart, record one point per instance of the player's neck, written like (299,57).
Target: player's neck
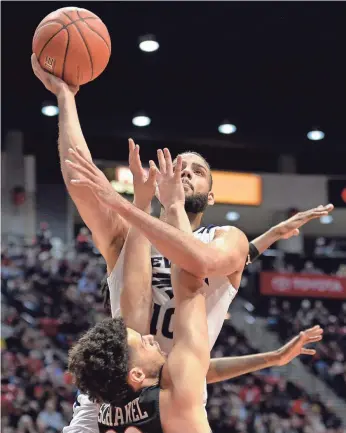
(195,220)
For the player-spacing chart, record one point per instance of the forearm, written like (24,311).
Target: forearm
(108,229)
(226,368)
(70,131)
(136,295)
(264,241)
(176,216)
(181,248)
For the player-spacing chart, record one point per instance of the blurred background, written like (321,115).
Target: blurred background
(259,90)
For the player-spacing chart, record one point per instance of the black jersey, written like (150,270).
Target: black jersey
(141,414)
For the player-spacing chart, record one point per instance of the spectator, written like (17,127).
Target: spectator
(309,268)
(50,420)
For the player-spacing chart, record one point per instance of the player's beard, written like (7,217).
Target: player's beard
(196,203)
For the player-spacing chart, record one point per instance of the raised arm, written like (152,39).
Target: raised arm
(189,359)
(107,227)
(136,295)
(188,362)
(287,228)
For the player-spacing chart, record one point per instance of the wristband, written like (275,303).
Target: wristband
(253,254)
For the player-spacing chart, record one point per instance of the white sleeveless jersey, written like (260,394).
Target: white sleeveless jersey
(220,294)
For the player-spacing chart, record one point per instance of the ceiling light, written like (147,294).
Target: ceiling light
(315,135)
(232,216)
(141,121)
(50,110)
(227,128)
(326,219)
(148,43)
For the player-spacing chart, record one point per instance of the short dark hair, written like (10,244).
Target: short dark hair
(206,163)
(99,362)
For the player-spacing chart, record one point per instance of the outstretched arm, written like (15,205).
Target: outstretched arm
(188,362)
(288,228)
(226,368)
(107,227)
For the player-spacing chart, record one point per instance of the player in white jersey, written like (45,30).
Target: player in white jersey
(171,179)
(109,227)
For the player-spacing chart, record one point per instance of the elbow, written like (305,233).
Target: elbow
(220,265)
(205,265)
(210,264)
(201,267)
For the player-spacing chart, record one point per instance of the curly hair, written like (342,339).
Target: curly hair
(99,362)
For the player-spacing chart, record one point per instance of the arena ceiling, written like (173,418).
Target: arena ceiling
(274,69)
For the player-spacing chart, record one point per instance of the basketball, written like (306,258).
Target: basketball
(72,44)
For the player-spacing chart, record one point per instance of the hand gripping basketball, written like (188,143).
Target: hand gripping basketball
(72,44)
(51,83)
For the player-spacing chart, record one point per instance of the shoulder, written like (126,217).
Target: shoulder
(230,232)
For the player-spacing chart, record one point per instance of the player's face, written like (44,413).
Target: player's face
(145,352)
(196,180)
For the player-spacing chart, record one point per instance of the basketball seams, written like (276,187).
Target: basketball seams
(46,23)
(63,47)
(85,43)
(64,26)
(63,66)
(87,47)
(84,20)
(47,42)
(56,20)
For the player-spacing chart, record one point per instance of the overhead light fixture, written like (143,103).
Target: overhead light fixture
(326,219)
(148,43)
(232,216)
(315,135)
(227,128)
(49,109)
(141,120)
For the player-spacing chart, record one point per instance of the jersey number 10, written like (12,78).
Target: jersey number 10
(165,323)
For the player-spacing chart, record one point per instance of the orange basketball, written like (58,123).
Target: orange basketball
(73,44)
